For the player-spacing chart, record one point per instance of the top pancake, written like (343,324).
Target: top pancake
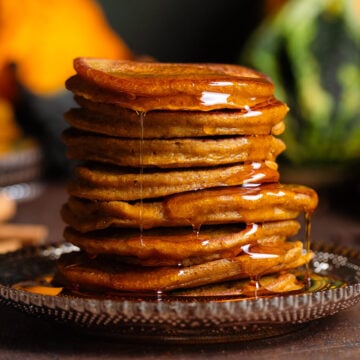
(145,86)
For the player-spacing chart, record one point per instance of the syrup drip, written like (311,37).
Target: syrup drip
(196,230)
(255,283)
(141,173)
(257,255)
(251,229)
(250,112)
(255,177)
(307,246)
(257,286)
(307,241)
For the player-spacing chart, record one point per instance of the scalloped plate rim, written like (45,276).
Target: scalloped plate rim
(277,310)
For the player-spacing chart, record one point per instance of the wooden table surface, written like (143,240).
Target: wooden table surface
(334,337)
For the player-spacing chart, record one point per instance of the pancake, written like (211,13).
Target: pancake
(263,203)
(104,182)
(113,120)
(163,86)
(170,153)
(102,273)
(267,285)
(174,246)
(231,201)
(275,240)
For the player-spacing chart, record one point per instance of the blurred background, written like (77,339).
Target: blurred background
(310,48)
(197,31)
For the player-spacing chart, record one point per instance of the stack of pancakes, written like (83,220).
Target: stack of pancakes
(177,188)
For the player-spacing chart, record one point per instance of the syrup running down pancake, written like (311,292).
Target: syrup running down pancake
(177,188)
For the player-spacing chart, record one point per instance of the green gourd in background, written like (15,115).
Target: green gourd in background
(311,50)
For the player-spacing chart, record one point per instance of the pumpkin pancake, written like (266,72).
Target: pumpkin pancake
(210,206)
(105,182)
(267,285)
(174,246)
(144,86)
(151,262)
(170,153)
(107,273)
(113,120)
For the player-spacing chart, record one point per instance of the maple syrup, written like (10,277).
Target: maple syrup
(141,116)
(307,246)
(44,285)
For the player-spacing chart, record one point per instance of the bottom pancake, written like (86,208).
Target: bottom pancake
(79,271)
(266,285)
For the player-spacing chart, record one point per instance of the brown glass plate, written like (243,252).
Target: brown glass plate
(174,320)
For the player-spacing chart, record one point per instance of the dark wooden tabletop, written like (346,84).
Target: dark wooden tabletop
(334,337)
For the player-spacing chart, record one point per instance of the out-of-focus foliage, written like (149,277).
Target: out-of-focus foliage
(311,50)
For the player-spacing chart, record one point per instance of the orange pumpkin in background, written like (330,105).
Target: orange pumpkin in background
(41,37)
(38,41)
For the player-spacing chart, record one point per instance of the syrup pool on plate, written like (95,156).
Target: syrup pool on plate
(254,288)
